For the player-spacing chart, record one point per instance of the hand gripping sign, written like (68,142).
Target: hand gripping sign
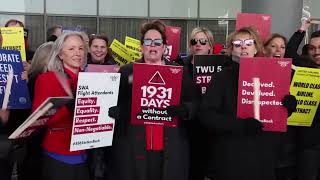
(155,87)
(260,92)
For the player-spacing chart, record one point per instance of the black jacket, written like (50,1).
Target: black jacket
(233,155)
(292,51)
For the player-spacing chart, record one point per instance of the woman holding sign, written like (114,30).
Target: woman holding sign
(238,149)
(67,56)
(201,43)
(143,152)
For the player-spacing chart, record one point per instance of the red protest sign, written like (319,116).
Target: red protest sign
(274,76)
(155,87)
(173,42)
(262,23)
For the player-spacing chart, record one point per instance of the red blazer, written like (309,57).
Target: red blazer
(58,134)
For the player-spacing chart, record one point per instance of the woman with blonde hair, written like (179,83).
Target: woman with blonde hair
(244,43)
(201,41)
(68,55)
(236,145)
(38,65)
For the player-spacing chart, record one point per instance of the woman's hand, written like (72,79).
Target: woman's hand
(4,116)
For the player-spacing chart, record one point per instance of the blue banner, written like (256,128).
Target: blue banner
(19,97)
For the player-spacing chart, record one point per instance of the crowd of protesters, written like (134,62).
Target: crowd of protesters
(210,142)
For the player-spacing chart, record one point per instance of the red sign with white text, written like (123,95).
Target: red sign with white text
(274,75)
(262,23)
(155,87)
(173,42)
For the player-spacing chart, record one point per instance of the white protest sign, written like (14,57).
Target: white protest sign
(92,127)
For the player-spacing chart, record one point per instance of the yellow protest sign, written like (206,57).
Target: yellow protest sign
(13,39)
(135,55)
(305,86)
(134,47)
(120,53)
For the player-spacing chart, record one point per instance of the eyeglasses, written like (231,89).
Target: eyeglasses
(202,41)
(238,43)
(156,42)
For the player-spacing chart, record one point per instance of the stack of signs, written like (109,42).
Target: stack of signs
(204,67)
(262,23)
(40,116)
(173,42)
(270,91)
(13,39)
(19,94)
(305,87)
(120,53)
(38,119)
(134,47)
(155,87)
(92,127)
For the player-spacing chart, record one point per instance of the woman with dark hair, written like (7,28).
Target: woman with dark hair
(99,158)
(14,22)
(134,155)
(99,51)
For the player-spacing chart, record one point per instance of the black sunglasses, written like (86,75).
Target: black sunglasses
(202,41)
(156,42)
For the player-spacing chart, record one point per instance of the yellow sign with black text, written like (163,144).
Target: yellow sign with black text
(305,86)
(120,53)
(13,39)
(134,47)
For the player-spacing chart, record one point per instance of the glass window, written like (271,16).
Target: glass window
(220,29)
(81,7)
(4,18)
(186,28)
(87,24)
(218,8)
(32,6)
(314,8)
(119,28)
(35,27)
(174,8)
(138,8)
